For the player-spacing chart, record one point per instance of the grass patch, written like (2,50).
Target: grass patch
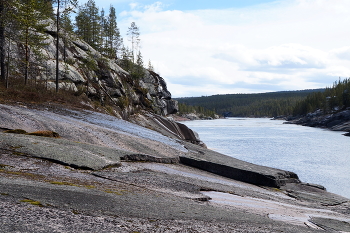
(34,94)
(71,184)
(62,183)
(38,93)
(45,133)
(4,166)
(18,153)
(276,189)
(113,191)
(32,202)
(75,212)
(15,147)
(16,131)
(22,174)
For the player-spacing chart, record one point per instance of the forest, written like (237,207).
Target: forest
(199,110)
(270,104)
(273,104)
(333,99)
(23,30)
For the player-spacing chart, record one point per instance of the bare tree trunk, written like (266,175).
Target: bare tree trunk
(2,41)
(26,67)
(57,43)
(8,64)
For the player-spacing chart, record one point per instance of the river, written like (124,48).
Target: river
(318,156)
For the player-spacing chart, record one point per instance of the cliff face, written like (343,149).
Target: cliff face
(82,69)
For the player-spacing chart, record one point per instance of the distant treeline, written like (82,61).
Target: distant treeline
(199,110)
(332,99)
(252,105)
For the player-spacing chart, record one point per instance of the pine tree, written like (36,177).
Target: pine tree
(68,6)
(103,23)
(138,69)
(31,26)
(67,26)
(96,42)
(150,66)
(83,29)
(88,24)
(113,41)
(125,61)
(8,30)
(134,34)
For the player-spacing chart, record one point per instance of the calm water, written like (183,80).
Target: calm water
(316,155)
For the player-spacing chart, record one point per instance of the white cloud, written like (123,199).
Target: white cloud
(133,5)
(155,7)
(342,53)
(286,45)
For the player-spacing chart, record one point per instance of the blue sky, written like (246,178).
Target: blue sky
(203,47)
(182,5)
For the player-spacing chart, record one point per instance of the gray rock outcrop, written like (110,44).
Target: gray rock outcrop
(84,70)
(338,121)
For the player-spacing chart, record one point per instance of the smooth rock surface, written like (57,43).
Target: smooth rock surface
(41,174)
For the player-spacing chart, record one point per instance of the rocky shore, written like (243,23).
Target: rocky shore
(104,174)
(337,121)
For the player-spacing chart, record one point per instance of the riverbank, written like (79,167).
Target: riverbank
(339,121)
(92,179)
(193,116)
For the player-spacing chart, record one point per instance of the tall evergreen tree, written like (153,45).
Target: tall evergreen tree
(68,6)
(67,25)
(113,40)
(6,30)
(125,60)
(83,29)
(88,24)
(9,32)
(138,69)
(134,37)
(103,23)
(31,24)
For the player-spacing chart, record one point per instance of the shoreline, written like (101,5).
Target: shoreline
(293,146)
(159,195)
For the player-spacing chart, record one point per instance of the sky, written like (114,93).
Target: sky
(207,47)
